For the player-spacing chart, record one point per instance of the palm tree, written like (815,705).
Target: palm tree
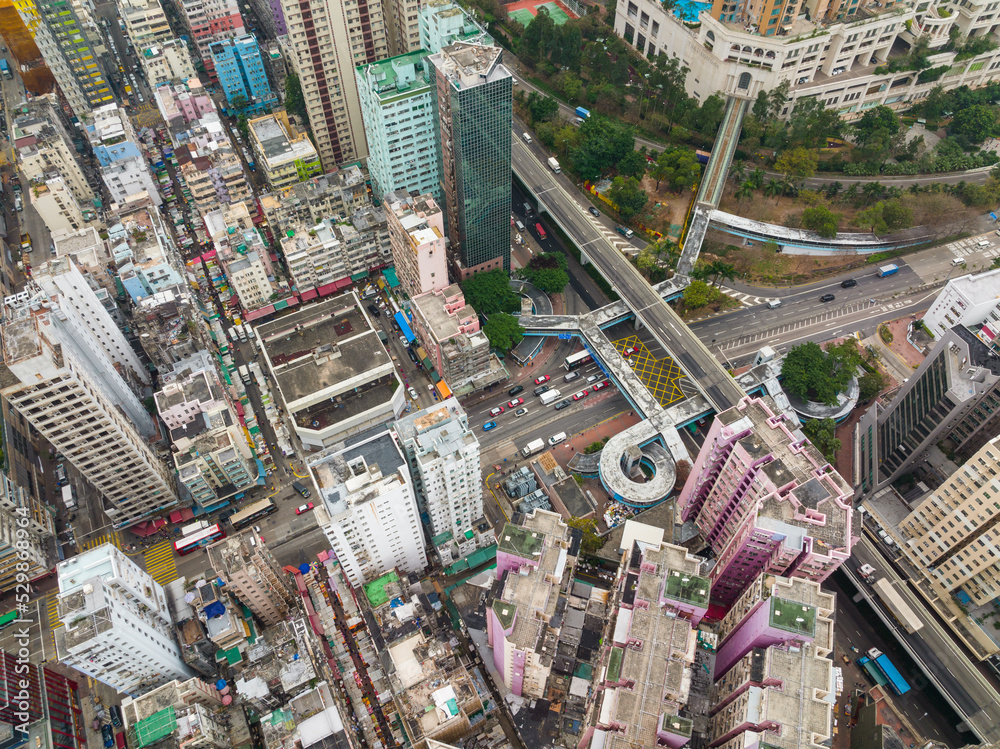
(772,189)
(721,270)
(738,171)
(744,191)
(668,251)
(852,191)
(893,192)
(832,189)
(788,187)
(872,190)
(756,178)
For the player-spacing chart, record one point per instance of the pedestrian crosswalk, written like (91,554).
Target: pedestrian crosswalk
(748,299)
(970,246)
(51,602)
(105,538)
(160,563)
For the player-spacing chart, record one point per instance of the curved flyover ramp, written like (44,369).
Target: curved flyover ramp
(621,457)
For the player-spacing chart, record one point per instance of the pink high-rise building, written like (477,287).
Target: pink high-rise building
(766,500)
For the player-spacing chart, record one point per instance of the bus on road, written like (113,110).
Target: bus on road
(7,619)
(578,359)
(199,539)
(194,527)
(896,606)
(251,513)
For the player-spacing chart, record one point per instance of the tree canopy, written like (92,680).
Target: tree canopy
(975,124)
(821,433)
(489,293)
(821,220)
(547,271)
(678,167)
(503,331)
(814,374)
(603,143)
(628,195)
(886,215)
(591,542)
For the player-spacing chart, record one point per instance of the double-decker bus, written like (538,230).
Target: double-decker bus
(251,513)
(578,359)
(199,539)
(7,619)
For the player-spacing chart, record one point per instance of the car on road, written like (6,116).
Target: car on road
(593,378)
(563,404)
(108,735)
(413,357)
(496,411)
(540,390)
(848,284)
(515,403)
(116,716)
(629,351)
(515,390)
(594,212)
(304,508)
(581,395)
(374,310)
(402,340)
(412,391)
(600,385)
(489,425)
(520,412)
(827,298)
(543,378)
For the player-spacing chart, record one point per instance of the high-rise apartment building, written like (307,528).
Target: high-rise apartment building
(535,562)
(473,109)
(210,21)
(374,524)
(271,17)
(443,455)
(145,23)
(64,33)
(402,26)
(397,106)
(326,41)
(244,563)
(444,22)
(970,301)
(765,501)
(241,74)
(27,532)
(953,394)
(116,626)
(449,330)
(416,230)
(62,380)
(773,670)
(953,533)
(52,710)
(56,205)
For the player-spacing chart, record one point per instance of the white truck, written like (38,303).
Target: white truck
(554,165)
(549,396)
(533,447)
(245,374)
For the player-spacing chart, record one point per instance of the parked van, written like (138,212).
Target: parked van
(555,439)
(774,304)
(519,225)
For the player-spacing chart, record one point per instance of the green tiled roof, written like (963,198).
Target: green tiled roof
(615,664)
(157,726)
(683,586)
(520,541)
(505,613)
(375,590)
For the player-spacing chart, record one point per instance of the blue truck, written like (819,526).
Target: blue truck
(887,270)
(582,113)
(891,673)
(5,68)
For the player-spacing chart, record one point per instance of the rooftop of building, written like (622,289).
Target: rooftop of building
(278,146)
(322,346)
(236,553)
(358,472)
(431,308)
(280,659)
(979,355)
(196,387)
(978,287)
(85,245)
(437,431)
(469,65)
(402,75)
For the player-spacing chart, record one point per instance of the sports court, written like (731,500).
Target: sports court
(524,11)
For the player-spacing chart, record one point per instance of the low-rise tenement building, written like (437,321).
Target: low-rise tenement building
(766,500)
(143,252)
(211,455)
(836,54)
(331,370)
(535,564)
(123,165)
(56,205)
(180,714)
(416,231)
(250,572)
(282,157)
(374,523)
(337,251)
(340,192)
(443,456)
(167,62)
(116,626)
(449,330)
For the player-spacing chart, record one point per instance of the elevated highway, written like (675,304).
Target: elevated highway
(558,198)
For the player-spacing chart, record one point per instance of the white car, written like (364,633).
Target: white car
(413,392)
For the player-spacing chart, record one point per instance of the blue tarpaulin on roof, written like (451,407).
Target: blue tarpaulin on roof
(404,326)
(214,609)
